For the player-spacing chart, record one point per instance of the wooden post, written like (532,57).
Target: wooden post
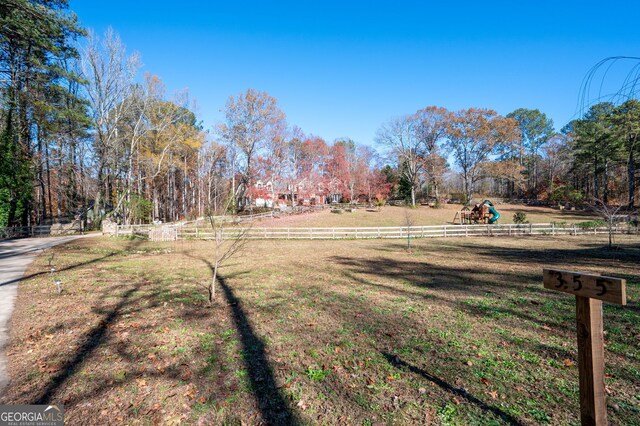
(593,406)
(590,290)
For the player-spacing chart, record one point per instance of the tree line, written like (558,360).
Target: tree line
(83,135)
(593,159)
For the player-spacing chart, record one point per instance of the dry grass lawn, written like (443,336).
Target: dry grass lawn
(454,331)
(422,215)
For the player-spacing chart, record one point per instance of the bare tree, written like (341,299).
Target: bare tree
(252,120)
(109,75)
(227,242)
(409,222)
(610,214)
(156,126)
(431,128)
(212,171)
(402,140)
(474,134)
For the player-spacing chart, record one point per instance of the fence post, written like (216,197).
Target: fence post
(530,229)
(445,231)
(288,233)
(553,228)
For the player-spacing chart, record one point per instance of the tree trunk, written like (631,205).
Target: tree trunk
(596,175)
(605,184)
(212,285)
(42,209)
(631,175)
(467,188)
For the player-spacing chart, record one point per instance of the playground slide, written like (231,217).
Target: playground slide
(493,211)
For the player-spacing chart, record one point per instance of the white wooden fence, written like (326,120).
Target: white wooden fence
(401,232)
(171,231)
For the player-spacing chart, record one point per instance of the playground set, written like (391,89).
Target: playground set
(480,213)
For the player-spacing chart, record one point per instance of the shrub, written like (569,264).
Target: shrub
(520,218)
(566,194)
(591,224)
(140,208)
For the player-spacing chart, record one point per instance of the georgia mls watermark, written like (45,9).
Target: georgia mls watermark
(31,415)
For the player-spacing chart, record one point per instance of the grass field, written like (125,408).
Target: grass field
(453,331)
(422,215)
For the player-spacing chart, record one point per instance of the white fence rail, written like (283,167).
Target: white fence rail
(402,232)
(170,231)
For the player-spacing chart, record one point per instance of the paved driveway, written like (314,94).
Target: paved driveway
(15,256)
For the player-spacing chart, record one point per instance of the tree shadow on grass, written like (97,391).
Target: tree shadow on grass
(461,392)
(92,341)
(425,275)
(470,308)
(273,406)
(583,254)
(66,268)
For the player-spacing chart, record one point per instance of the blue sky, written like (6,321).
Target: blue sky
(340,69)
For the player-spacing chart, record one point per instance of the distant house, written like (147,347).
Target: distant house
(262,194)
(305,192)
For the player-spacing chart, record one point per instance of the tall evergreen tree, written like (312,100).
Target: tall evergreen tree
(597,147)
(535,131)
(36,39)
(626,119)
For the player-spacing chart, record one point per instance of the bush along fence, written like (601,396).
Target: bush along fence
(200,231)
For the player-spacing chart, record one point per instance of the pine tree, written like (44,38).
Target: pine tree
(35,42)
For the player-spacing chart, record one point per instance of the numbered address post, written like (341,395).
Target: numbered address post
(590,291)
(607,289)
